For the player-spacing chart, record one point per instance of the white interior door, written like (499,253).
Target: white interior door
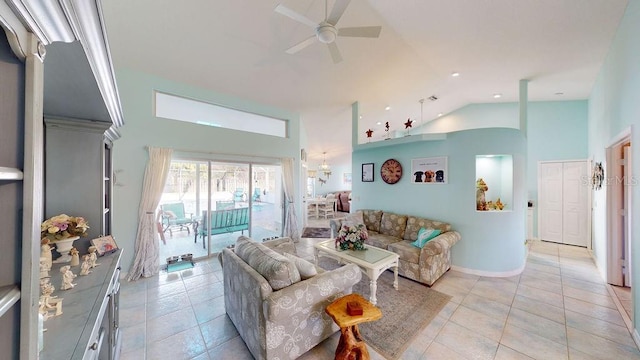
(575,203)
(550,201)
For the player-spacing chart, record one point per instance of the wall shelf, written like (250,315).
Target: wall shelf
(400,140)
(9,295)
(10,173)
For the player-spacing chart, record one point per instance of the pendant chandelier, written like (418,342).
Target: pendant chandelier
(324,167)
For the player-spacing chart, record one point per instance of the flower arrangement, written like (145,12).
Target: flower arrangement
(62,227)
(352,237)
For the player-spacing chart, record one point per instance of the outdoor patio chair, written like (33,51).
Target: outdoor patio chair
(174,216)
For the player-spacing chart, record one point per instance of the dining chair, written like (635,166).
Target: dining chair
(328,207)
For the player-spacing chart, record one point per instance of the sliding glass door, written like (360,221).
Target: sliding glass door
(206,205)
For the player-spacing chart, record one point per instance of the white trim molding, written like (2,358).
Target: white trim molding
(68,21)
(514,272)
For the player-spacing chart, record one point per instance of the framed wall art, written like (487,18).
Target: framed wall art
(431,170)
(346,178)
(367,172)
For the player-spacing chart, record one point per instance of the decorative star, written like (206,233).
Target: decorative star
(369,133)
(408,124)
(386,126)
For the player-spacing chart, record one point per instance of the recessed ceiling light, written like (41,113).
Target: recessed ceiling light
(388,108)
(497,96)
(379,123)
(455,74)
(439,114)
(360,116)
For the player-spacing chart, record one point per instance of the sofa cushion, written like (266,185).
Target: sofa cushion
(406,251)
(380,240)
(306,269)
(393,224)
(414,224)
(279,271)
(372,219)
(425,235)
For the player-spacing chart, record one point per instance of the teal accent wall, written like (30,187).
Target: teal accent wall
(614,106)
(142,129)
(556,130)
(492,242)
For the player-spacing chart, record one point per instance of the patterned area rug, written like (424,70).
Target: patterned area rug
(405,312)
(315,232)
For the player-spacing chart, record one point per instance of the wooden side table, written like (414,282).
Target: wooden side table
(351,345)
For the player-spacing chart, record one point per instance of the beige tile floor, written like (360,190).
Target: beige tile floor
(558,308)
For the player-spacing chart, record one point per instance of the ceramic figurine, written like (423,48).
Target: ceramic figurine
(86,265)
(45,251)
(93,256)
(47,301)
(481,203)
(75,257)
(44,268)
(67,278)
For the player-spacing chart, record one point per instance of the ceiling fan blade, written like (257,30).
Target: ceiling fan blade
(301,45)
(335,52)
(338,9)
(281,9)
(362,31)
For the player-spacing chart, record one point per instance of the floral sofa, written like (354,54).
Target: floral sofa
(396,233)
(274,300)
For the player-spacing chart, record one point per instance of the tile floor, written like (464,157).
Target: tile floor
(558,308)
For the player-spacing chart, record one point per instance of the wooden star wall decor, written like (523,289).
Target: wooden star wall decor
(408,124)
(369,133)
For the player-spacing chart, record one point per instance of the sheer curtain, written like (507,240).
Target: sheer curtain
(290,219)
(146,261)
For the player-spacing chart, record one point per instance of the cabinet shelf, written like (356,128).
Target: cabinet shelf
(9,295)
(10,173)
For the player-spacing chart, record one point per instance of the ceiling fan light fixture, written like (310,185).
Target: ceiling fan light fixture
(326,33)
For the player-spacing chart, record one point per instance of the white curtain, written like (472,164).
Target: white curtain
(290,219)
(146,262)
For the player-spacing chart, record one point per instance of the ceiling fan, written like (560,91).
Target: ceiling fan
(326,31)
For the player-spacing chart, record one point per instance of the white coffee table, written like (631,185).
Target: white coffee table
(372,261)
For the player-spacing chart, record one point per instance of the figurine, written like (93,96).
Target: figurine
(45,251)
(75,257)
(67,278)
(499,204)
(48,302)
(93,256)
(86,265)
(45,266)
(481,202)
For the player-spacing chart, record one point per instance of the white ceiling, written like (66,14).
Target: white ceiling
(237,47)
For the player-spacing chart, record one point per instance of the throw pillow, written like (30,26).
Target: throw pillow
(278,270)
(306,269)
(424,235)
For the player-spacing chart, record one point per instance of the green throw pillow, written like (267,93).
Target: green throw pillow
(424,235)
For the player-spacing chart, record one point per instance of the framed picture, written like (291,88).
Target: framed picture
(104,245)
(346,178)
(367,172)
(429,170)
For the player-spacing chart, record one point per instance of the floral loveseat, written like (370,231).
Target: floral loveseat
(277,314)
(396,232)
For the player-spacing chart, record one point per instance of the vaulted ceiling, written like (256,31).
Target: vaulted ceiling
(238,48)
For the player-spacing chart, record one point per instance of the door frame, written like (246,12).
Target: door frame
(614,190)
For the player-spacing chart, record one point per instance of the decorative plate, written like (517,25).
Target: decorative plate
(391,171)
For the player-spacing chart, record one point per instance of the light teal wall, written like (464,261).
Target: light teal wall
(142,129)
(492,242)
(556,130)
(614,106)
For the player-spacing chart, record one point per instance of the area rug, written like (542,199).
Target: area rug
(405,312)
(316,232)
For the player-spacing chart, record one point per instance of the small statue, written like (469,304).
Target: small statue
(45,266)
(93,256)
(481,202)
(86,265)
(75,257)
(499,204)
(48,302)
(45,251)
(67,278)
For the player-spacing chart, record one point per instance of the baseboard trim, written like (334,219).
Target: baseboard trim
(514,272)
